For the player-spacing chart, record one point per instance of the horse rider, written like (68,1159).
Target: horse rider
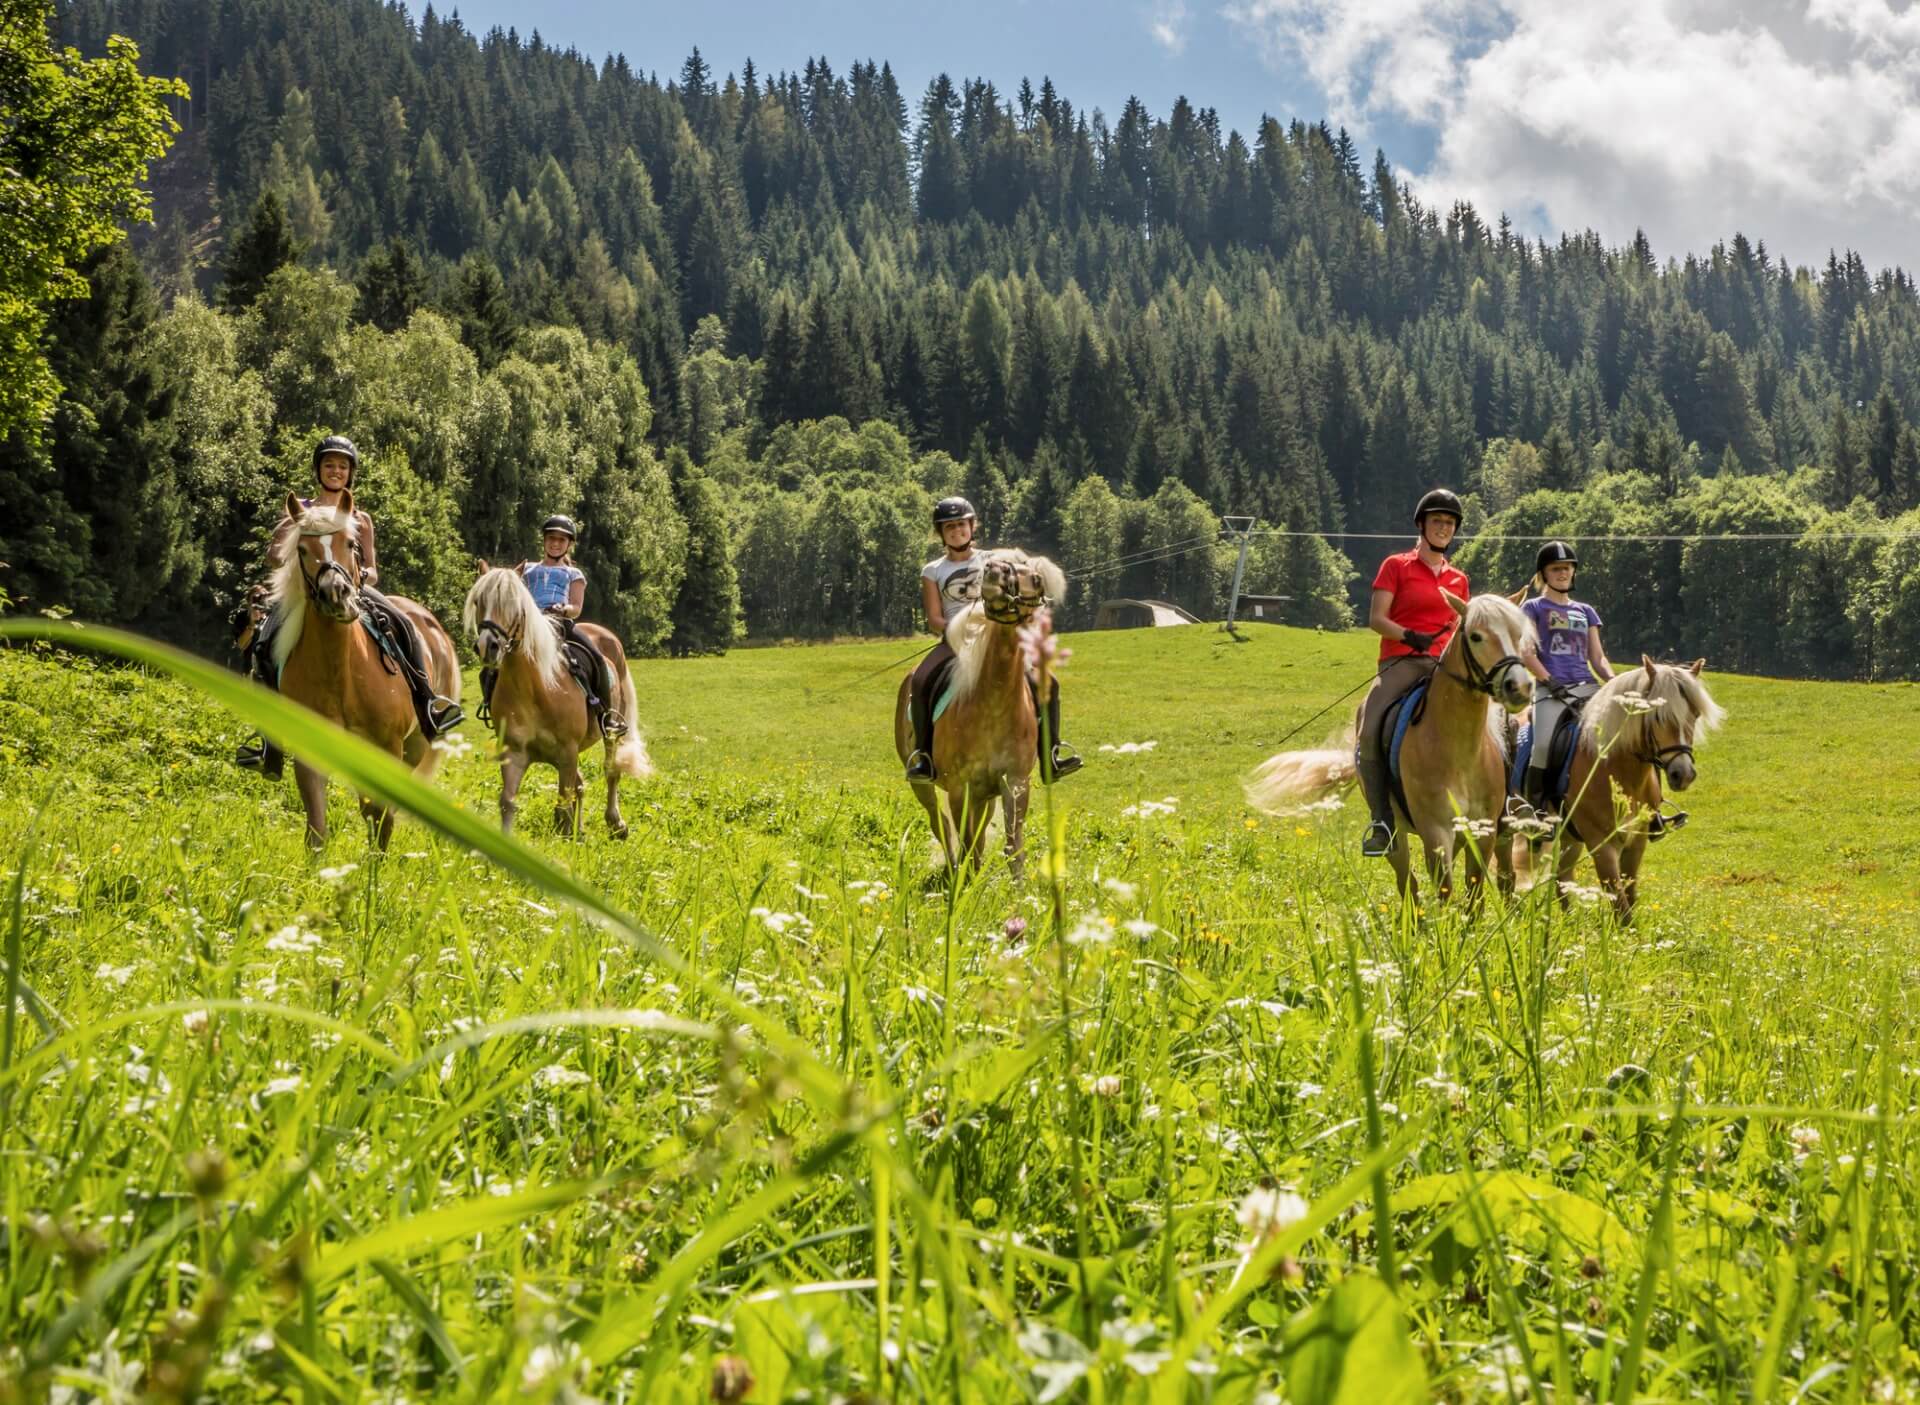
(336,463)
(947,583)
(1414,623)
(559,589)
(1566,656)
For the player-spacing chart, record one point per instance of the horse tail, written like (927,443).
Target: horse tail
(1293,780)
(628,756)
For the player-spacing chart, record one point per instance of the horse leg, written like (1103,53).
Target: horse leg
(616,826)
(513,769)
(1402,862)
(1630,857)
(979,815)
(1014,796)
(1565,869)
(1606,862)
(380,818)
(1437,846)
(566,813)
(313,795)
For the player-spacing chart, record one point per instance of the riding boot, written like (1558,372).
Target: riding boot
(920,763)
(1057,759)
(1378,839)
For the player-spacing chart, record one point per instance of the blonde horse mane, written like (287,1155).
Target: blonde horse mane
(967,631)
(287,587)
(501,596)
(1627,709)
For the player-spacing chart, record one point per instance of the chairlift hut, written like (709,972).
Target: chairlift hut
(1141,614)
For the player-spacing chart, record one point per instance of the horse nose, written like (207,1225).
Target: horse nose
(1680,774)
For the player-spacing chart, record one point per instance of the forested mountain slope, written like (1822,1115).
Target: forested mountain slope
(1105,329)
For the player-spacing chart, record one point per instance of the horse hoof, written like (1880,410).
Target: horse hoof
(618,831)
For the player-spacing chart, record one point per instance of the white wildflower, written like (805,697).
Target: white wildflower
(1124,891)
(1806,1141)
(1148,809)
(1266,1212)
(292,939)
(559,1076)
(1107,1085)
(1128,748)
(1091,931)
(1577,893)
(334,875)
(114,975)
(195,1021)
(1140,928)
(778,922)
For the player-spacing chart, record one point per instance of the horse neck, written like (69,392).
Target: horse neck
(324,639)
(1000,661)
(1455,710)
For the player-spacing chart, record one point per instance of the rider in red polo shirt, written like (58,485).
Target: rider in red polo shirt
(1414,623)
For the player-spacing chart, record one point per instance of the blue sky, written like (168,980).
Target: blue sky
(1097,54)
(1796,122)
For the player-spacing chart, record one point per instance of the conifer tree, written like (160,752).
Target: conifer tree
(258,251)
(706,611)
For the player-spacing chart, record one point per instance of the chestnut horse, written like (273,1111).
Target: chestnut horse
(1640,726)
(538,711)
(1453,782)
(328,662)
(985,741)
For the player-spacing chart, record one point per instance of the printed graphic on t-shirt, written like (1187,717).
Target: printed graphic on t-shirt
(957,581)
(1567,632)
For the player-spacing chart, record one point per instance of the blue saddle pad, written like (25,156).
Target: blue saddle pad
(1399,718)
(1562,776)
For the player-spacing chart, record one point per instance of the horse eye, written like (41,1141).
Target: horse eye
(1474,637)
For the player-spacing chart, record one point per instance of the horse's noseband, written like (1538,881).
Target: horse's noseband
(1667,755)
(312,579)
(509,641)
(1481,680)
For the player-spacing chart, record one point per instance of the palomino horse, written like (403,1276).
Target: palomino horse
(985,741)
(539,712)
(1641,725)
(1452,774)
(330,663)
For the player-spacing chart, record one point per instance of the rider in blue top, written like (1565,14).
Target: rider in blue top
(559,588)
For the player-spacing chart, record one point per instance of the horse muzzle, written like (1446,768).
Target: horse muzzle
(1681,772)
(1516,688)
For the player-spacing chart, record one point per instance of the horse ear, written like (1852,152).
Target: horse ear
(294,509)
(346,504)
(1519,597)
(480,566)
(1695,667)
(1648,665)
(1459,605)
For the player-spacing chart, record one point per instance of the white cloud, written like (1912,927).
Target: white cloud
(1795,121)
(1167,23)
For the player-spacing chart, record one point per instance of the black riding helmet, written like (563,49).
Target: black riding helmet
(560,522)
(1554,553)
(954,509)
(1439,500)
(338,444)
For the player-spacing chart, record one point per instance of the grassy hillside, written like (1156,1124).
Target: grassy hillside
(1032,1161)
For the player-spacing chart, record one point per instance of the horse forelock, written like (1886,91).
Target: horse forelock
(323,521)
(502,596)
(1500,617)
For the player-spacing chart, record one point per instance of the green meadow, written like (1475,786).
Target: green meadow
(751,1107)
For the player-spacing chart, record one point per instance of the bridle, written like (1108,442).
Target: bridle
(1015,608)
(1479,679)
(312,579)
(509,639)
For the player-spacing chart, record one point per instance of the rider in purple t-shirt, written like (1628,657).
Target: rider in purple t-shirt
(1566,655)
